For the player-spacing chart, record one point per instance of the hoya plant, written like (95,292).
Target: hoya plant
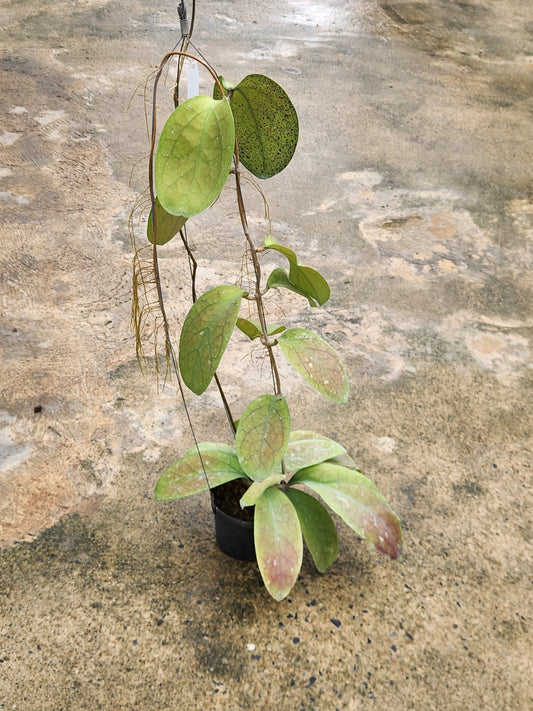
(293,480)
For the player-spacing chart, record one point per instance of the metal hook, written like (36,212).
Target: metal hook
(182,14)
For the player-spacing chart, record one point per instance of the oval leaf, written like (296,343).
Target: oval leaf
(253,330)
(205,335)
(356,499)
(266,125)
(318,528)
(278,542)
(263,435)
(307,448)
(194,155)
(187,476)
(316,361)
(167,225)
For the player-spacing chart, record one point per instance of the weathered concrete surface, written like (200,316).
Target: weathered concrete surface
(411,189)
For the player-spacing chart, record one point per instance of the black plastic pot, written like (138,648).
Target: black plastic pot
(234,536)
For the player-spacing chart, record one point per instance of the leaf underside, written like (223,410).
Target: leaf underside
(316,361)
(167,225)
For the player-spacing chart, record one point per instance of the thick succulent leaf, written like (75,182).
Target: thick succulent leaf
(279,279)
(303,280)
(205,335)
(318,528)
(256,489)
(278,542)
(307,448)
(187,476)
(316,361)
(263,435)
(253,330)
(167,225)
(356,499)
(194,155)
(266,125)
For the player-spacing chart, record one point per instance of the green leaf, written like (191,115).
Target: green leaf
(256,489)
(167,225)
(356,499)
(302,280)
(307,448)
(318,528)
(253,330)
(194,155)
(225,85)
(278,542)
(186,476)
(205,335)
(316,361)
(266,125)
(263,435)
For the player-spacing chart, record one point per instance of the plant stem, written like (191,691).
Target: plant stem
(257,272)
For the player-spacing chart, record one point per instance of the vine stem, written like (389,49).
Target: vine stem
(258,297)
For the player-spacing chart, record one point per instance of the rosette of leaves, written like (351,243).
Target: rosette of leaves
(286,472)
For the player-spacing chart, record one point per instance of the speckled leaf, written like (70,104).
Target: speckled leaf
(167,225)
(356,499)
(278,542)
(316,361)
(303,280)
(307,448)
(256,489)
(205,335)
(186,476)
(194,155)
(253,330)
(263,435)
(266,125)
(318,528)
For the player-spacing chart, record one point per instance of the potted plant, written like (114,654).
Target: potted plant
(277,477)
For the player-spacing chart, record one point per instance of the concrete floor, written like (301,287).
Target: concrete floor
(411,189)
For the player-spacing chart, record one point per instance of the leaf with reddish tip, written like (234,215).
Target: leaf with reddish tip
(356,499)
(316,361)
(278,542)
(318,528)
(189,475)
(308,448)
(263,435)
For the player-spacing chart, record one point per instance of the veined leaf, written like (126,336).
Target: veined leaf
(307,448)
(266,125)
(278,542)
(256,489)
(187,476)
(316,361)
(253,330)
(356,499)
(318,528)
(194,155)
(167,225)
(205,335)
(302,280)
(263,435)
